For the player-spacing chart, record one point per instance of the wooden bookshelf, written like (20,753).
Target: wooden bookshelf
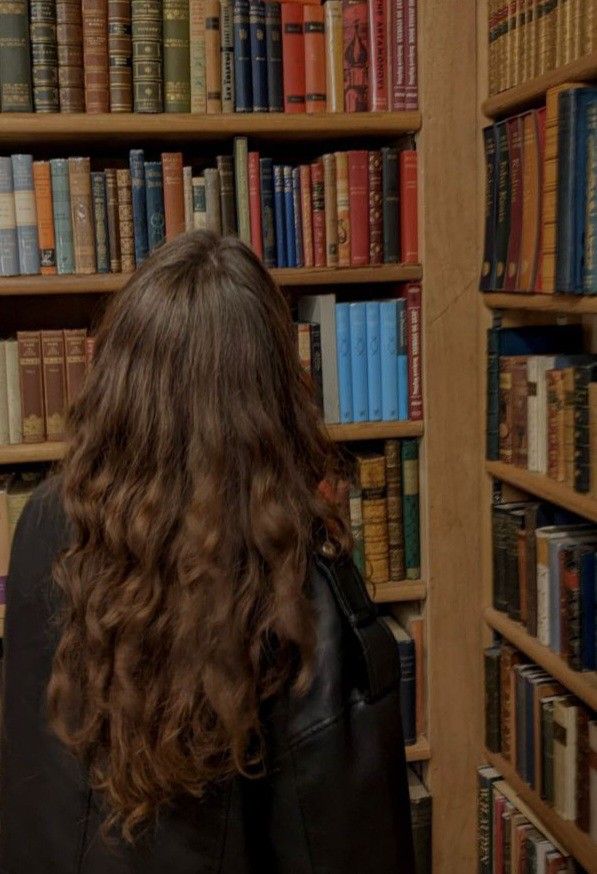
(393,593)
(583,684)
(534,90)
(566,304)
(29,453)
(544,487)
(576,842)
(419,751)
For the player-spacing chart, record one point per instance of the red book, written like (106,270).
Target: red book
(411,99)
(413,337)
(356,55)
(378,91)
(173,194)
(540,117)
(358,187)
(255,203)
(293,57)
(315,84)
(307,215)
(409,221)
(397,54)
(318,203)
(514,133)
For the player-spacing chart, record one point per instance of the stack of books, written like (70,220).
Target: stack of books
(208,56)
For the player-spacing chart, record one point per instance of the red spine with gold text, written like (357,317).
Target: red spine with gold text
(318,205)
(358,192)
(293,57)
(378,58)
(409,235)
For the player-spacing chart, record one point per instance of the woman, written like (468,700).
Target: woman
(195,678)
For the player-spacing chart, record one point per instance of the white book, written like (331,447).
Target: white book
(13,390)
(4,438)
(565,717)
(593,778)
(321,309)
(537,367)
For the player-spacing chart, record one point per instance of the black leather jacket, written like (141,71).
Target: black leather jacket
(335,798)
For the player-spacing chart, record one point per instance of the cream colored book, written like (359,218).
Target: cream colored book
(537,367)
(565,716)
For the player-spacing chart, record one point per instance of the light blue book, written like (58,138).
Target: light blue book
(63,229)
(373,361)
(402,360)
(388,331)
(344,364)
(9,247)
(358,361)
(26,214)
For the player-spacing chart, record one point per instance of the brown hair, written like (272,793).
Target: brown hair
(191,485)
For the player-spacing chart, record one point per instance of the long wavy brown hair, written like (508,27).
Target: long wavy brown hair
(191,485)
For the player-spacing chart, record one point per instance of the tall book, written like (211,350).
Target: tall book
(344,362)
(358,182)
(330,210)
(213,58)
(120,56)
(307,214)
(81,203)
(321,309)
(256,226)
(409,240)
(213,201)
(44,56)
(15,68)
(32,405)
(26,214)
(9,250)
(397,55)
(266,188)
(375,208)
(413,333)
(75,363)
(147,55)
(125,220)
(406,651)
(390,208)
(396,565)
(100,222)
(318,204)
(378,60)
(177,75)
(334,43)
(225,164)
(356,55)
(273,46)
(372,482)
(343,208)
(410,498)
(42,185)
(489,265)
(243,78)
(54,383)
(95,55)
(113,220)
(139,195)
(514,127)
(227,55)
(258,56)
(69,36)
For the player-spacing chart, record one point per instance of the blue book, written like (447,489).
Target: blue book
(268,229)
(289,218)
(25,213)
(279,215)
(587,609)
(9,247)
(137,168)
(407,658)
(273,40)
(388,336)
(373,361)
(298,218)
(358,361)
(154,204)
(402,351)
(243,88)
(63,229)
(344,363)
(590,246)
(100,222)
(258,56)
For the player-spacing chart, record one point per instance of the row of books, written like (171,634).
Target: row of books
(370,355)
(346,209)
(548,735)
(544,575)
(208,56)
(541,196)
(511,838)
(530,37)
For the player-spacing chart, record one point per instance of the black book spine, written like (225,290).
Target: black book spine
(406,650)
(389,188)
(273,42)
(583,375)
(492,699)
(502,225)
(266,178)
(493,395)
(487,280)
(227,196)
(258,56)
(316,366)
(243,90)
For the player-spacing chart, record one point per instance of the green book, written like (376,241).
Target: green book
(15,50)
(410,508)
(177,71)
(241,182)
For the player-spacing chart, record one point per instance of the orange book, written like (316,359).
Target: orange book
(42,185)
(343,207)
(409,214)
(173,194)
(531,204)
(213,79)
(315,73)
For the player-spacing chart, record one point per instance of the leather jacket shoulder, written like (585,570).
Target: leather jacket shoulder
(334,797)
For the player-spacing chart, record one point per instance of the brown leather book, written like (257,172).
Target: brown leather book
(42,184)
(307,216)
(81,206)
(520,395)
(173,194)
(120,56)
(75,362)
(343,209)
(125,220)
(213,209)
(375,209)
(372,480)
(331,211)
(197,59)
(507,365)
(213,73)
(95,55)
(32,402)
(569,407)
(508,660)
(397,567)
(69,36)
(318,201)
(54,381)
(555,425)
(113,221)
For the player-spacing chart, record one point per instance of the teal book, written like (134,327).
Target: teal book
(16,94)
(9,248)
(63,229)
(410,508)
(154,203)
(138,192)
(26,214)
(100,222)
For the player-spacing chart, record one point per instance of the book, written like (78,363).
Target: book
(307,218)
(266,188)
(334,72)
(25,214)
(514,128)
(411,100)
(375,208)
(213,59)
(318,207)
(65,256)
(69,38)
(138,188)
(358,184)
(15,70)
(293,54)
(44,56)
(174,216)
(502,220)
(154,204)
(289,222)
(147,32)
(273,53)
(100,222)
(9,251)
(492,660)
(396,566)
(75,363)
(256,231)
(81,204)
(258,56)
(564,758)
(297,212)
(243,89)
(371,472)
(343,345)
(489,266)
(330,210)
(397,55)
(30,374)
(225,166)
(356,527)
(113,220)
(199,206)
(125,220)
(315,61)
(321,309)
(94,14)
(13,391)
(213,201)
(343,208)
(176,56)
(241,182)
(54,383)
(356,55)
(358,361)
(373,331)
(388,313)
(409,246)
(378,60)
(421,813)
(227,55)
(410,497)
(413,334)
(198,54)
(120,56)
(187,197)
(390,209)
(406,649)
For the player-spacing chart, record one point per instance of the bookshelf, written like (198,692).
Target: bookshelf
(564,304)
(544,487)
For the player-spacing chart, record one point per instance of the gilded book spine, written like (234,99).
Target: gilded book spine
(397,569)
(54,383)
(213,55)
(69,33)
(63,229)
(330,209)
(372,481)
(333,56)
(125,220)
(147,55)
(120,55)
(44,55)
(197,40)
(81,202)
(177,75)
(113,220)
(375,209)
(15,68)
(343,209)
(74,355)
(30,368)
(95,55)
(100,221)
(227,54)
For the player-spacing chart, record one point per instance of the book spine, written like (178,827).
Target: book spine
(81,204)
(306,214)
(289,225)
(65,256)
(177,73)
(488,269)
(409,219)
(9,248)
(389,187)
(378,56)
(74,357)
(375,209)
(358,361)
(198,55)
(330,210)
(42,185)
(30,371)
(315,75)
(334,43)
(343,209)
(343,347)
(173,194)
(137,168)
(13,392)
(356,55)
(319,222)
(410,507)
(411,96)
(397,568)
(506,426)
(26,214)
(531,209)
(268,231)
(100,222)
(113,221)
(69,36)
(44,55)
(255,204)
(187,191)
(567,133)
(503,206)
(297,219)
(492,699)
(227,55)
(398,55)
(243,82)
(519,413)
(293,54)
(403,360)
(389,360)
(15,68)
(555,424)
(148,95)
(589,282)
(125,220)
(514,131)
(213,201)
(372,481)
(408,690)
(213,57)
(356,527)
(273,51)
(95,55)
(279,216)
(317,363)
(413,317)
(227,198)
(120,55)
(582,480)
(258,56)
(199,206)
(373,361)
(241,182)
(358,182)
(54,383)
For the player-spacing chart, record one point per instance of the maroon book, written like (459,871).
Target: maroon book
(378,60)
(318,202)
(413,336)
(397,55)
(375,209)
(411,91)
(358,186)
(356,55)
(514,133)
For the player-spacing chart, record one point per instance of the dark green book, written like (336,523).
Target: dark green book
(492,699)
(420,812)
(410,508)
(177,70)
(15,67)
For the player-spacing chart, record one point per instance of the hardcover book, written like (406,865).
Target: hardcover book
(69,36)
(356,55)
(44,56)
(120,55)
(81,203)
(94,15)
(15,69)
(315,60)
(147,55)
(30,369)
(177,72)
(293,53)
(54,383)
(26,214)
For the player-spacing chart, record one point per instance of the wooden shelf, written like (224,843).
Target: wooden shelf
(583,684)
(570,304)
(375,430)
(27,453)
(532,91)
(405,590)
(545,488)
(106,283)
(576,842)
(124,129)
(419,751)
